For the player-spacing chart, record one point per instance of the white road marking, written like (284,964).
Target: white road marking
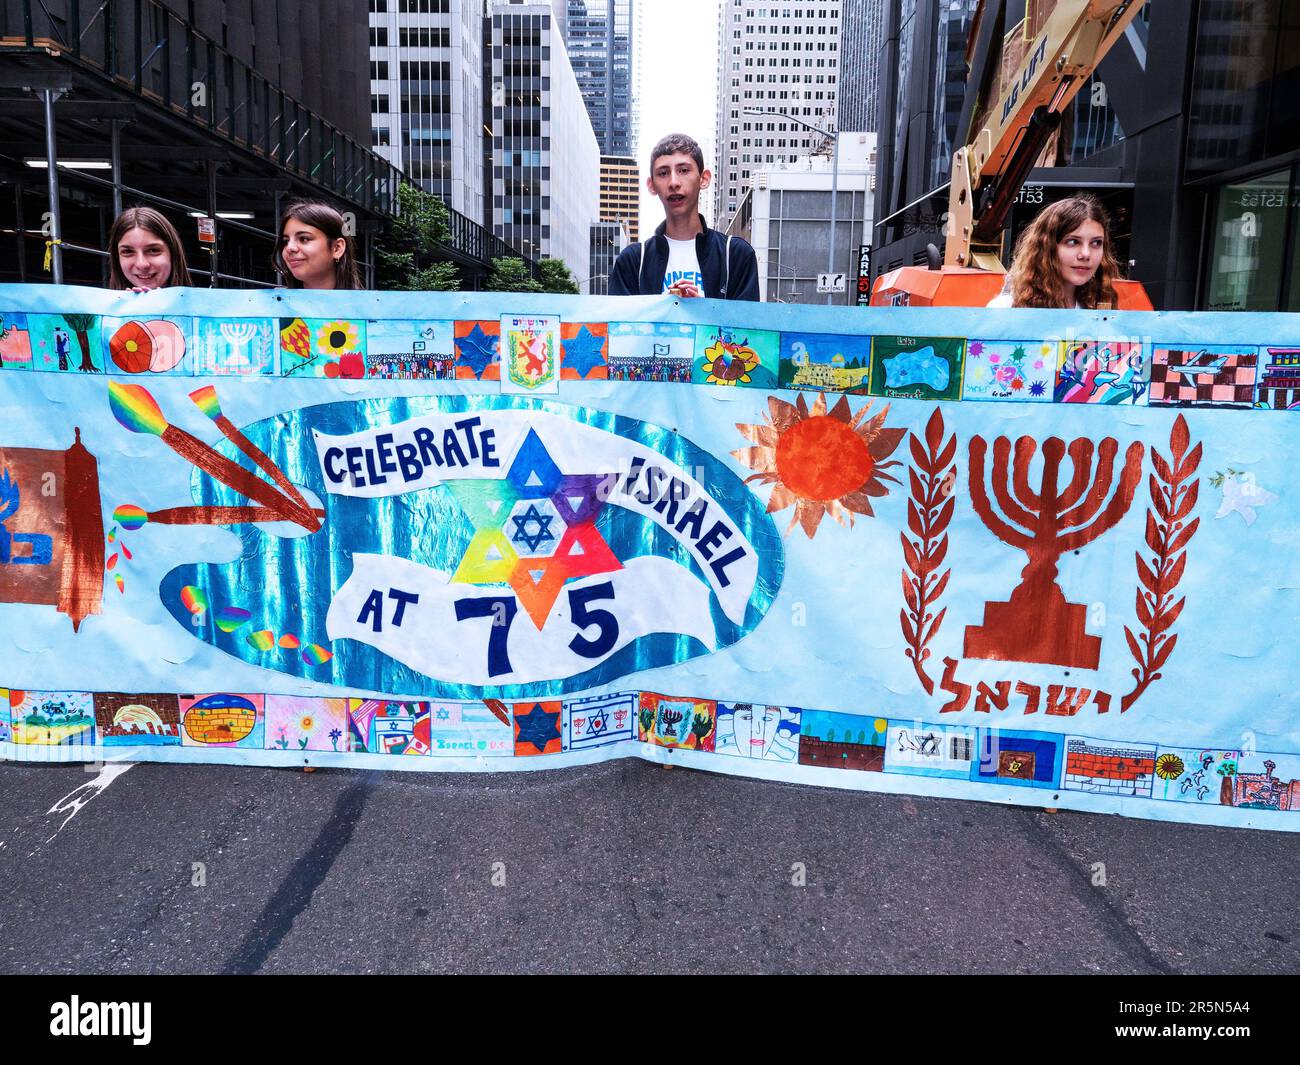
(73,803)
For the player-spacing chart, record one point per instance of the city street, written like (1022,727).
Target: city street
(622,867)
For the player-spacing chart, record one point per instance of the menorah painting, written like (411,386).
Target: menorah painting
(239,346)
(1037,624)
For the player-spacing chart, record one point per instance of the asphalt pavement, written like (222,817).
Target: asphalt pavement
(621,867)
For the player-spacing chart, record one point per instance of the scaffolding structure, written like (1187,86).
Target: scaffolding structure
(168,117)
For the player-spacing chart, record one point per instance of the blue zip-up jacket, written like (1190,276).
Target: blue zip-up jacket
(727,276)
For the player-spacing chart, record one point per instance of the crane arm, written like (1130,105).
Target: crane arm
(988,172)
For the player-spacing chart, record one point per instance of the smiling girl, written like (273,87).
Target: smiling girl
(145,252)
(1064,259)
(314,251)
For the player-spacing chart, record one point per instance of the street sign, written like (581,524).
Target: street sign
(207,230)
(864,275)
(830,282)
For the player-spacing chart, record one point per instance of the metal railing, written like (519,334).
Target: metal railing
(470,240)
(142,46)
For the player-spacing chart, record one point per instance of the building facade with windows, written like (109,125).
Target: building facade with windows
(773,55)
(600,36)
(1242,144)
(620,192)
(785,214)
(537,141)
(862,22)
(426,95)
(607,240)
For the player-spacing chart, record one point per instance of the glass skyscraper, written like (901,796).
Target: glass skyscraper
(862,24)
(537,141)
(598,35)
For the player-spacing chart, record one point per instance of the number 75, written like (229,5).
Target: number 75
(502,610)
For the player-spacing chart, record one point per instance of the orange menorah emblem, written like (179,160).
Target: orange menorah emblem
(1037,624)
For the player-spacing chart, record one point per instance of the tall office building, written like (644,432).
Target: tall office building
(862,25)
(599,37)
(426,95)
(773,55)
(607,240)
(539,146)
(620,193)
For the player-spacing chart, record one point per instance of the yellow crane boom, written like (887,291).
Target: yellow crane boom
(988,172)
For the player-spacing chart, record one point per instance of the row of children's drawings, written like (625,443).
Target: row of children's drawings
(301,726)
(946,368)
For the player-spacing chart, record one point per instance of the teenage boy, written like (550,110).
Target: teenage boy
(685,257)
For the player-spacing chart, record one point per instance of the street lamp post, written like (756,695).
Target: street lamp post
(835,179)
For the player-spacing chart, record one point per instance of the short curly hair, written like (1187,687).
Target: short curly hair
(678,144)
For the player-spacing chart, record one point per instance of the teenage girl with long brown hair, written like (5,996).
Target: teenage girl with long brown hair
(314,251)
(1064,259)
(144,252)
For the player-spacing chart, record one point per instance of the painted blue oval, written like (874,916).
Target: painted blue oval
(288,582)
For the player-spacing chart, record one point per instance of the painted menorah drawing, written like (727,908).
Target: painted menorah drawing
(1037,624)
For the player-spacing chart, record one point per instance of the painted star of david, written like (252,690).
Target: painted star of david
(538,727)
(597,722)
(536,558)
(477,350)
(583,353)
(539,523)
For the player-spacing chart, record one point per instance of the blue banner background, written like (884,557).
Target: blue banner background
(829,643)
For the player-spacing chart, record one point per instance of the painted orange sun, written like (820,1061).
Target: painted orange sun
(821,462)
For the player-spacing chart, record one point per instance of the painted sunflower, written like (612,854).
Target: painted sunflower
(728,362)
(821,462)
(336,338)
(1169,767)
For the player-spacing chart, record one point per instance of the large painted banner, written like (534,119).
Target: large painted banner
(1020,556)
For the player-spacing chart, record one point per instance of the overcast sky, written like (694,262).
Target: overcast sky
(678,84)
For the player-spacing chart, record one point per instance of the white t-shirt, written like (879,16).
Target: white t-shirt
(682,264)
(1004,299)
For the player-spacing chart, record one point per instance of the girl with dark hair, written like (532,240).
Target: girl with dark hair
(145,252)
(1064,259)
(314,251)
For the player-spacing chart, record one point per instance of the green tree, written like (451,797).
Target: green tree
(81,324)
(408,254)
(555,276)
(511,275)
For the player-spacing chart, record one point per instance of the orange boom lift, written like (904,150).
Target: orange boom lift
(987,173)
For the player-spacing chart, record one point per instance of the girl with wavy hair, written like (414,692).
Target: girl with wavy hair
(1064,259)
